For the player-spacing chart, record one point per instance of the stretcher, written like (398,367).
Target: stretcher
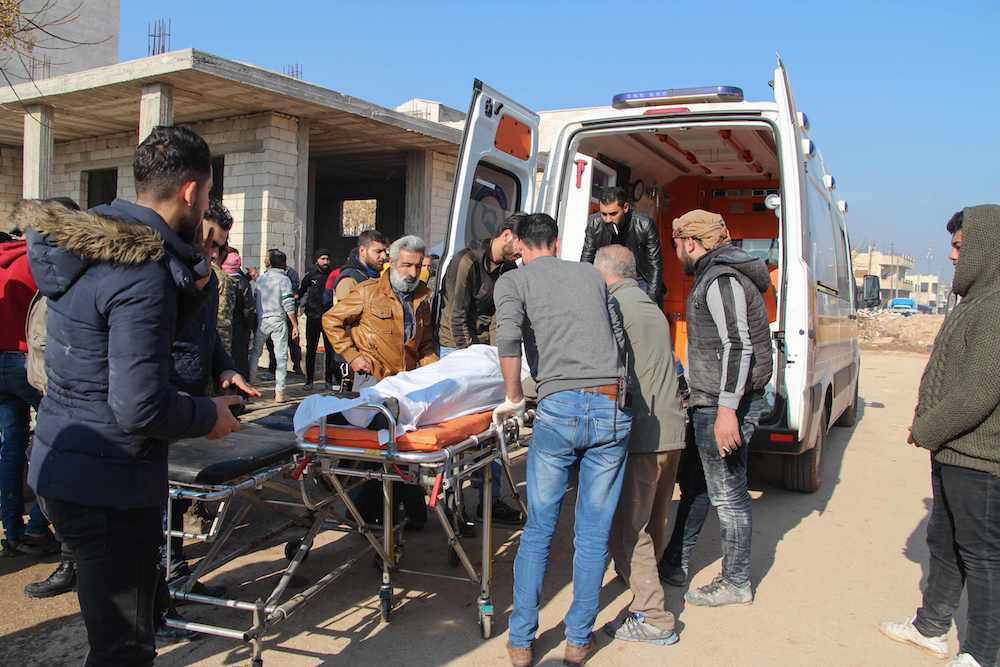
(307,481)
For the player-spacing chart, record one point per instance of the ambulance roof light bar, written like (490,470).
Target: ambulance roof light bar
(651,98)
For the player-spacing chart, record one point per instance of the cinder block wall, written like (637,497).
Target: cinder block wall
(442,182)
(260,180)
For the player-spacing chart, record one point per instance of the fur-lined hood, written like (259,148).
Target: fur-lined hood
(62,243)
(93,237)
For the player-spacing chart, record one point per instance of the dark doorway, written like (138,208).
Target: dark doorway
(102,186)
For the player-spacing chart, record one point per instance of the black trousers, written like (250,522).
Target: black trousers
(692,508)
(963,535)
(117,555)
(314,329)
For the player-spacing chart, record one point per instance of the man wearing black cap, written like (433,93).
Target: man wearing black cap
(311,301)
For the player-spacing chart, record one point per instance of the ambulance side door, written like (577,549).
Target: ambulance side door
(496,171)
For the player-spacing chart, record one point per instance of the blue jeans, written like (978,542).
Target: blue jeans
(571,427)
(16,399)
(477,477)
(726,485)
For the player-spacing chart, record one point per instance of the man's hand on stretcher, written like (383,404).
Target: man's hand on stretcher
(361,364)
(225,422)
(509,409)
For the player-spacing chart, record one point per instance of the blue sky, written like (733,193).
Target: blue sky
(903,97)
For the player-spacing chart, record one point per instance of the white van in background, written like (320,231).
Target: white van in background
(676,150)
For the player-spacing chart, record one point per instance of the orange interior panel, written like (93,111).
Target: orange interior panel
(688,193)
(513,137)
(426,439)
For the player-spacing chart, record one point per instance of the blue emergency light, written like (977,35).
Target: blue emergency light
(704,95)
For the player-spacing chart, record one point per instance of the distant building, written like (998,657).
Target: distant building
(891,269)
(929,291)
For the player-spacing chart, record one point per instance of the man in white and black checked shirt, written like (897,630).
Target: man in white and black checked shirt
(729,364)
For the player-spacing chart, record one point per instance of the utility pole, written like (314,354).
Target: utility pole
(894,268)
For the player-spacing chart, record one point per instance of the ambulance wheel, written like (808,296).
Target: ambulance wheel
(802,472)
(486,625)
(291,548)
(850,416)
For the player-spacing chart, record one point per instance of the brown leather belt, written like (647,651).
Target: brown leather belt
(609,390)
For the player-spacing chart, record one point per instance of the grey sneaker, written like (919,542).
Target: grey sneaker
(907,633)
(720,593)
(635,629)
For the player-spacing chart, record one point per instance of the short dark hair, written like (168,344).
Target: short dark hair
(320,252)
(613,195)
(511,222)
(955,223)
(168,158)
(537,230)
(219,214)
(277,259)
(369,236)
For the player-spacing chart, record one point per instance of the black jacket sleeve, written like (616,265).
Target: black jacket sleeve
(590,246)
(461,288)
(654,256)
(141,314)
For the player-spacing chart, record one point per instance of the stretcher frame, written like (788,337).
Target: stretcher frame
(325,465)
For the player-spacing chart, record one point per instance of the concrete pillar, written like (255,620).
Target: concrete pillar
(419,181)
(311,210)
(156,107)
(39,142)
(303,236)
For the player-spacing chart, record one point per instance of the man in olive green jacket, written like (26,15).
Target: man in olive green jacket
(639,532)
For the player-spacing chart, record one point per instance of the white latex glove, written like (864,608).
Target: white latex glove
(509,409)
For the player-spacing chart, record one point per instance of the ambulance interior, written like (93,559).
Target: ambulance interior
(670,171)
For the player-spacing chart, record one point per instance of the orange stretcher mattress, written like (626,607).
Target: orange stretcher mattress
(426,439)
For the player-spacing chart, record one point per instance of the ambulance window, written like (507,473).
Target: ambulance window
(495,195)
(843,267)
(822,254)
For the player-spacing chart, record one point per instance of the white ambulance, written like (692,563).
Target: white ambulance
(677,150)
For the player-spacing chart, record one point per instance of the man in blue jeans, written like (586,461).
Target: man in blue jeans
(729,365)
(560,312)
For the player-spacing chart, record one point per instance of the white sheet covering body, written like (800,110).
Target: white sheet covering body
(463,383)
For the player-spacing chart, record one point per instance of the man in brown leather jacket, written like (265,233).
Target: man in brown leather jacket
(383,327)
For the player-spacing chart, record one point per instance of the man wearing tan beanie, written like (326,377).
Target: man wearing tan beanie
(729,364)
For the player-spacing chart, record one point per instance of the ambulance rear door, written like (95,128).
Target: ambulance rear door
(496,171)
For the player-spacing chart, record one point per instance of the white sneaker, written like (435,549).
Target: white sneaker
(907,633)
(963,660)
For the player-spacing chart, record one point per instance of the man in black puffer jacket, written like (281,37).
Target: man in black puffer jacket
(120,281)
(617,223)
(311,300)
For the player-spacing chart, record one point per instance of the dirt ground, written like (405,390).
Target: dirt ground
(828,567)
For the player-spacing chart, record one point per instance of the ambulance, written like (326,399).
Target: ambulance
(675,150)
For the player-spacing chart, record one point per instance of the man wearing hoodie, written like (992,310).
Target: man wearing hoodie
(958,420)
(120,281)
(729,364)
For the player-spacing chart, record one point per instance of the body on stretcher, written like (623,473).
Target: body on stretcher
(309,479)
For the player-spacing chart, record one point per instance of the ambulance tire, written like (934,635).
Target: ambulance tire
(802,472)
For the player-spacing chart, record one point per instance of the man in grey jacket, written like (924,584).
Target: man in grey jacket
(275,309)
(639,532)
(561,313)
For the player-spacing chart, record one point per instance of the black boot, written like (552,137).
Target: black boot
(63,580)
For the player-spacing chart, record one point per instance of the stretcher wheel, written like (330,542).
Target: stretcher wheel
(385,608)
(485,625)
(291,548)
